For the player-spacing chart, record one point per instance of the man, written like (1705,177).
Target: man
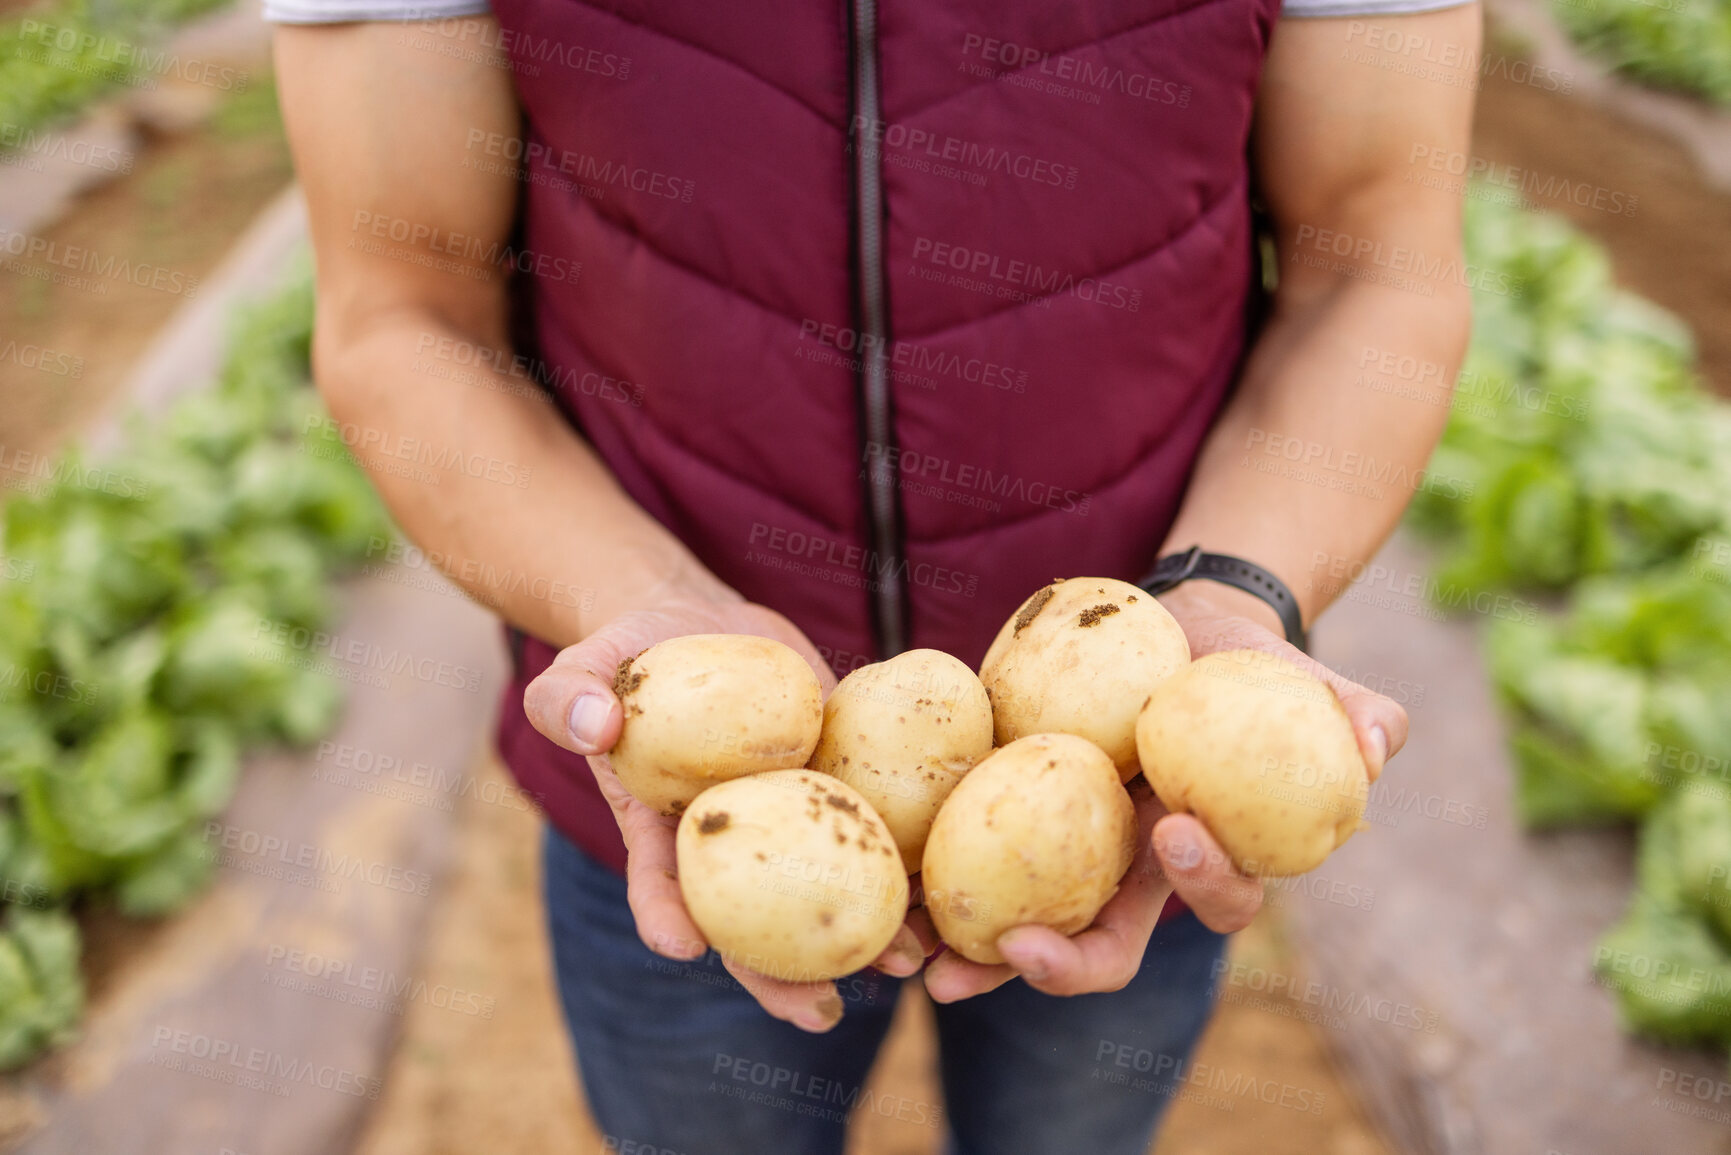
(859,325)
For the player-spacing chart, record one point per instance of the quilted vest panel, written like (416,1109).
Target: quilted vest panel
(1067,263)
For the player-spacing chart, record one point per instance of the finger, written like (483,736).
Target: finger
(572,702)
(1105,957)
(1108,954)
(904,956)
(652,884)
(920,923)
(919,919)
(1379,724)
(814,1007)
(1203,874)
(950,977)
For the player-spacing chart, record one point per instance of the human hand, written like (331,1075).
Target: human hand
(573,704)
(1176,853)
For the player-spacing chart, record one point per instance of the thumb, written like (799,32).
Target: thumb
(572,701)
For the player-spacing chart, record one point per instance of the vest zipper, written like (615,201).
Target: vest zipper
(883,511)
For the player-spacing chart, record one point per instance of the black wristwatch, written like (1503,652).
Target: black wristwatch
(1176,568)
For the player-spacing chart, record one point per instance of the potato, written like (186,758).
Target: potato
(1262,753)
(791,874)
(703,708)
(902,733)
(1040,832)
(1080,657)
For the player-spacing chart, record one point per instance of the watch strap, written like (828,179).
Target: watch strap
(1177,568)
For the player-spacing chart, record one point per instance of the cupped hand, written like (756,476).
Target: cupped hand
(573,704)
(1176,853)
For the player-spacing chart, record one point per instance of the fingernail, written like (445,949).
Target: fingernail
(588,715)
(1024,957)
(674,946)
(904,960)
(1182,851)
(1033,967)
(825,1015)
(1379,747)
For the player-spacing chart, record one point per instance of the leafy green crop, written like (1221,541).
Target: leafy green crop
(1600,471)
(1577,421)
(1683,44)
(140,653)
(57,58)
(41,988)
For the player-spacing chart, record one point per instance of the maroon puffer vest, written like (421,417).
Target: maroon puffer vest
(901,429)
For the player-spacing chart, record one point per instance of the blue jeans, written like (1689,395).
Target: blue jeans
(677,1059)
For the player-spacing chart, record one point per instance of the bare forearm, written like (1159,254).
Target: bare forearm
(483,473)
(1310,466)
(1346,392)
(479,468)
